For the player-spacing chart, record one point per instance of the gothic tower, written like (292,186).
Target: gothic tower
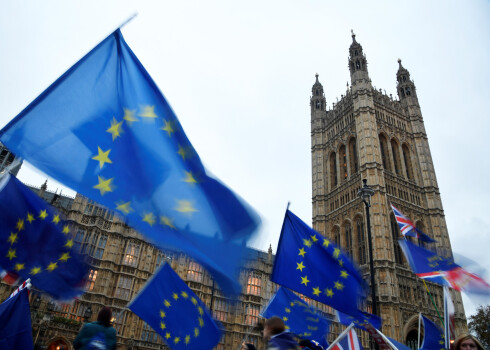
(369,135)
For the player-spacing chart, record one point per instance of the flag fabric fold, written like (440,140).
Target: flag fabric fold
(311,265)
(433,336)
(428,265)
(105,130)
(408,228)
(172,309)
(15,322)
(360,320)
(36,242)
(298,316)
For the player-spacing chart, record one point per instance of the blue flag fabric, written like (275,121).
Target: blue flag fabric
(433,336)
(398,345)
(36,243)
(298,316)
(172,309)
(360,319)
(15,323)
(105,130)
(313,266)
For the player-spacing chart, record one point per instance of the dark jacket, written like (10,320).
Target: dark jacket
(283,341)
(94,335)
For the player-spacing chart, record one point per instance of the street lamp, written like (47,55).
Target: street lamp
(365,193)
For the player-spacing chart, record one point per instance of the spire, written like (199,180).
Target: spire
(357,62)
(405,87)
(317,101)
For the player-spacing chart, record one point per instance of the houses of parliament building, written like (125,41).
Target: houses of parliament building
(366,135)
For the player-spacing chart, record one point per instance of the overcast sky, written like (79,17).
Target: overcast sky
(239,77)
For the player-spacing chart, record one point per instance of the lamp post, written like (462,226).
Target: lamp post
(365,193)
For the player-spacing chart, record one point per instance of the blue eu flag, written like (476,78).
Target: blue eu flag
(35,243)
(298,316)
(360,320)
(311,265)
(15,322)
(172,309)
(433,336)
(105,130)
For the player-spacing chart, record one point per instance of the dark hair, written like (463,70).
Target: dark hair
(105,316)
(249,346)
(275,324)
(464,337)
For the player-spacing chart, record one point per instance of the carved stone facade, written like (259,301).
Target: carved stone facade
(369,135)
(8,159)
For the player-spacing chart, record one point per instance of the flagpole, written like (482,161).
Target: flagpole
(418,341)
(386,339)
(433,303)
(341,336)
(447,331)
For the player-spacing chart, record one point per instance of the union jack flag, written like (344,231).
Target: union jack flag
(407,227)
(349,342)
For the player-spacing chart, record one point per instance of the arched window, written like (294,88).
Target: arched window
(408,162)
(353,156)
(348,239)
(343,162)
(407,91)
(404,78)
(395,232)
(317,92)
(358,65)
(333,170)
(383,145)
(355,53)
(336,236)
(361,240)
(402,92)
(317,105)
(396,156)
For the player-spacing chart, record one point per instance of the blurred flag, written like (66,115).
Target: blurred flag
(35,242)
(360,320)
(349,342)
(449,321)
(299,317)
(313,266)
(399,346)
(407,227)
(105,130)
(428,265)
(172,309)
(433,336)
(15,322)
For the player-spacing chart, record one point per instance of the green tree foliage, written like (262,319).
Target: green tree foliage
(480,325)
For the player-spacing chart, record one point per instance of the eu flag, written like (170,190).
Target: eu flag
(311,265)
(105,130)
(298,316)
(360,320)
(172,309)
(433,336)
(35,243)
(15,323)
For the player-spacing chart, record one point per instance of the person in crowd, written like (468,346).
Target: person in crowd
(277,336)
(97,335)
(248,346)
(307,344)
(467,342)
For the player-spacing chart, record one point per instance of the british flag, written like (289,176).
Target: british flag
(349,342)
(407,227)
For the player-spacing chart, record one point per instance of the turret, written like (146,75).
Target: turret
(405,87)
(357,63)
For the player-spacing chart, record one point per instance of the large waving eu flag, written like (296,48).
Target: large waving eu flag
(313,266)
(433,336)
(105,130)
(172,309)
(15,323)
(298,316)
(35,243)
(360,320)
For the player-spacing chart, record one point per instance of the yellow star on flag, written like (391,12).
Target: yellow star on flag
(167,335)
(184,295)
(187,339)
(12,238)
(176,340)
(149,218)
(168,127)
(148,112)
(69,243)
(344,274)
(19,267)
(285,319)
(11,254)
(313,238)
(163,325)
(104,185)
(166,303)
(166,221)
(339,285)
(43,215)
(66,229)
(52,266)
(307,242)
(201,322)
(184,206)
(56,219)
(288,310)
(124,207)
(162,314)
(336,253)
(304,280)
(329,292)
(30,217)
(175,296)
(302,252)
(20,225)
(326,242)
(64,257)
(300,266)
(35,270)
(182,152)
(189,178)
(115,129)
(196,332)
(102,157)
(316,291)
(341,262)
(201,311)
(194,301)
(129,115)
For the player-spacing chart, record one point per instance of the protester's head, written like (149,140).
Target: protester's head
(273,326)
(105,316)
(248,346)
(467,342)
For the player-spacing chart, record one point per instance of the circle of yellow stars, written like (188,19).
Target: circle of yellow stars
(177,338)
(170,127)
(313,318)
(20,226)
(338,285)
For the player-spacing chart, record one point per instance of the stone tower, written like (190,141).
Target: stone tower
(369,135)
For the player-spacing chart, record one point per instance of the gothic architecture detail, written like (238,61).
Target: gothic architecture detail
(370,135)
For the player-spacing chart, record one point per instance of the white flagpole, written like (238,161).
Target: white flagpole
(341,336)
(386,339)
(420,319)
